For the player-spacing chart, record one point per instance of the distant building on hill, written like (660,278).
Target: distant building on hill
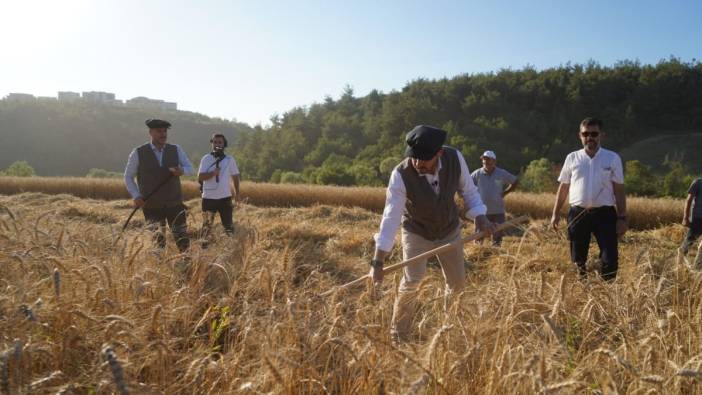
(20,98)
(96,97)
(145,102)
(99,97)
(68,96)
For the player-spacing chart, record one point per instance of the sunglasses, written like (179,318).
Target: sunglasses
(589,134)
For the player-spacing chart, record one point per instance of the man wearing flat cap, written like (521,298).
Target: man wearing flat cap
(157,167)
(420,200)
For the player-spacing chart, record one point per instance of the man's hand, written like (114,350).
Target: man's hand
(484,225)
(376,271)
(176,171)
(622,226)
(139,202)
(555,218)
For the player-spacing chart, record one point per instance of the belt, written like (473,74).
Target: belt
(600,208)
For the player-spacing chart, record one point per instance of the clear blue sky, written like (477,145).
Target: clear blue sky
(249,60)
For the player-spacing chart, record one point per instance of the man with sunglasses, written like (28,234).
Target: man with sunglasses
(420,200)
(593,181)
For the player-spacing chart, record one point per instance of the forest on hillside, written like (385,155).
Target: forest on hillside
(524,115)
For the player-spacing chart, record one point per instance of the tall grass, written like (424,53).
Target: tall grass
(644,213)
(248,319)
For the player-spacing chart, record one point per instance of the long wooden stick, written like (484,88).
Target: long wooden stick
(435,251)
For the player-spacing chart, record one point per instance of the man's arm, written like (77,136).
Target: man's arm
(395,200)
(620,201)
(203,173)
(511,187)
(561,197)
(688,209)
(185,167)
(130,171)
(235,181)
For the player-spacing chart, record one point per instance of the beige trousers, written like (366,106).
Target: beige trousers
(451,265)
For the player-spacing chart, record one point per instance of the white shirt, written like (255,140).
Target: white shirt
(211,189)
(132,167)
(396,199)
(591,179)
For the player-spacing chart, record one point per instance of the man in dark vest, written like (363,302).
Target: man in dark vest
(420,197)
(157,167)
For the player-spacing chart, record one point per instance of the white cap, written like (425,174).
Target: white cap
(489,154)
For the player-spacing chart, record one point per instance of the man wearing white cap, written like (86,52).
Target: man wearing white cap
(494,183)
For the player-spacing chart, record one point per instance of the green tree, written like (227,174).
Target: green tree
(538,177)
(639,179)
(102,173)
(19,168)
(676,182)
(291,177)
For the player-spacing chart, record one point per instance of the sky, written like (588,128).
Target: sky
(249,60)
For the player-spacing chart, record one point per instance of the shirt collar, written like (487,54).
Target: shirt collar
(154,148)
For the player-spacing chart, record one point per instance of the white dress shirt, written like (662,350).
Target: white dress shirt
(133,166)
(591,179)
(211,189)
(396,199)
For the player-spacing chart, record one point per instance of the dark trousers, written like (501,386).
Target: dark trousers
(601,222)
(224,208)
(176,217)
(497,219)
(693,232)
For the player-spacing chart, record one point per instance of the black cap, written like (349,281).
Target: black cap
(423,142)
(157,123)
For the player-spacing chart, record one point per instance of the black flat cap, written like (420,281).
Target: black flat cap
(423,142)
(157,123)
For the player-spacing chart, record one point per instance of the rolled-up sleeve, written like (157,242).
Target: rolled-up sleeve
(130,172)
(469,192)
(395,200)
(184,162)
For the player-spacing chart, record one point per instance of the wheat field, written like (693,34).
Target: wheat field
(644,213)
(82,312)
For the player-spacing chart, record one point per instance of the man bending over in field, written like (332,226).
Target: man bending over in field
(157,167)
(420,197)
(593,179)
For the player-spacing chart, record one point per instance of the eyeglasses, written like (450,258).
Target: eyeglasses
(589,134)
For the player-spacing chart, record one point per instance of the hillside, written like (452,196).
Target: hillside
(522,115)
(71,138)
(655,150)
(81,314)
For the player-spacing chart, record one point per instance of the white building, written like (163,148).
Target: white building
(20,98)
(68,96)
(145,102)
(99,97)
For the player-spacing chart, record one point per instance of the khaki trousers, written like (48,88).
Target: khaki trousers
(451,265)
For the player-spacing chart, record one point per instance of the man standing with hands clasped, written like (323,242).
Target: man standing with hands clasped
(593,180)
(157,167)
(420,198)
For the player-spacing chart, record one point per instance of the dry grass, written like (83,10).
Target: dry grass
(643,213)
(81,315)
